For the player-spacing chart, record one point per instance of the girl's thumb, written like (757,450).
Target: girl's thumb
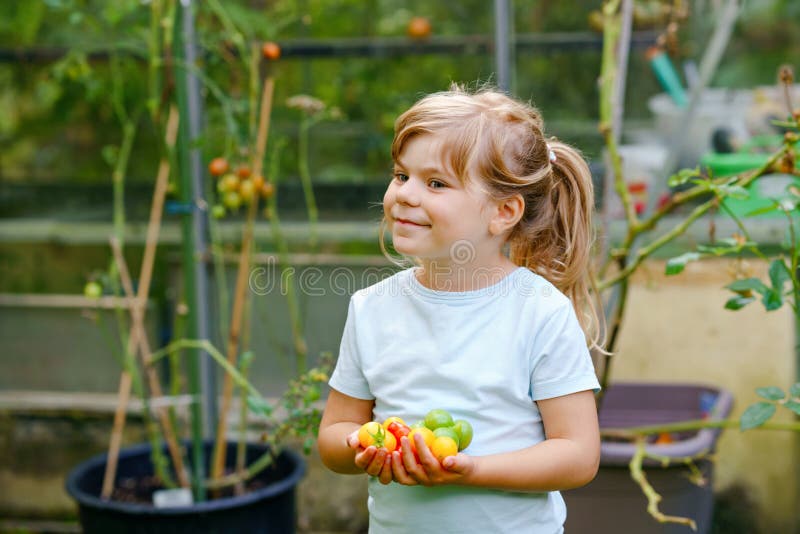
(456,463)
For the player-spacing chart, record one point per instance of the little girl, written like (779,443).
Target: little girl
(492,325)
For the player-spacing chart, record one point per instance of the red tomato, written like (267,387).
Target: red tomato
(399,430)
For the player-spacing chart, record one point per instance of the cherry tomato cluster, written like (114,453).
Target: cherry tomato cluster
(443,435)
(236,187)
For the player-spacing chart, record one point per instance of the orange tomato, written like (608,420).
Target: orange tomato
(243,171)
(373,433)
(419,28)
(218,166)
(444,446)
(271,51)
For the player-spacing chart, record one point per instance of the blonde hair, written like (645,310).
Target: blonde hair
(499,140)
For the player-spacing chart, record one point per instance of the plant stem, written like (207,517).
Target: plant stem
(694,424)
(241,293)
(305,179)
(298,340)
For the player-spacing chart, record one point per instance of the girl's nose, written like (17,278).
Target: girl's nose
(407,193)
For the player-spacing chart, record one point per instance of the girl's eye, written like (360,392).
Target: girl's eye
(436,184)
(400,177)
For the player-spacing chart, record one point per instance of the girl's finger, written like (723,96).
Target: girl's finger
(352,440)
(363,458)
(414,469)
(378,461)
(399,472)
(385,476)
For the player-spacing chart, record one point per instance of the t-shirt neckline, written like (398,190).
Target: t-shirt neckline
(498,287)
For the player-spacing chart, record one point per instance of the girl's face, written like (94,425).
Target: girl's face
(432,214)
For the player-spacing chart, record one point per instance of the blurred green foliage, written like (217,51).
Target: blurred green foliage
(58,123)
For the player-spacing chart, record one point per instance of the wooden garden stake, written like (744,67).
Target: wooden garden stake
(153,228)
(218,462)
(138,332)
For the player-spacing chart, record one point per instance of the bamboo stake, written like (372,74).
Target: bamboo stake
(153,228)
(138,333)
(240,293)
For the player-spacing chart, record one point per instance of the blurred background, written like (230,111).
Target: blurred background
(74,72)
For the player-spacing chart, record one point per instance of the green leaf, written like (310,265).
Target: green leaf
(258,406)
(794,391)
(746,284)
(778,275)
(738,302)
(762,210)
(683,176)
(772,300)
(794,406)
(772,393)
(677,264)
(756,415)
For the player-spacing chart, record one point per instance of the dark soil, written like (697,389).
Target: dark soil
(139,490)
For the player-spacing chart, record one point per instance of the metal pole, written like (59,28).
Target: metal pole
(194,226)
(503,38)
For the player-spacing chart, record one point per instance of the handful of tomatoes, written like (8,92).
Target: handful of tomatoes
(443,435)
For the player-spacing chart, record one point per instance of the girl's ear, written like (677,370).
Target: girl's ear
(507,214)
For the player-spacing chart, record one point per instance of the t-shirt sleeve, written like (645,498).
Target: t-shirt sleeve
(561,362)
(348,376)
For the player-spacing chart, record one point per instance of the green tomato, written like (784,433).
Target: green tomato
(232,200)
(464,431)
(218,211)
(438,418)
(93,290)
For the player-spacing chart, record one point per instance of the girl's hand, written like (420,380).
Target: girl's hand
(375,462)
(428,471)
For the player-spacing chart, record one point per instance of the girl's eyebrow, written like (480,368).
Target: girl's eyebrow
(425,170)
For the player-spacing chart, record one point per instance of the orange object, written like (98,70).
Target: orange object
(664,438)
(271,50)
(218,166)
(419,28)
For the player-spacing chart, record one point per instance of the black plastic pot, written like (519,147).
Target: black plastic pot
(269,509)
(613,502)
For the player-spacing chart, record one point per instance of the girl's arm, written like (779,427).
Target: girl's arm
(567,458)
(338,440)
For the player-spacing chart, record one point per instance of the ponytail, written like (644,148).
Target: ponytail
(555,236)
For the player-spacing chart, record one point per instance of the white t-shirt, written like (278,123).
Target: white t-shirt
(484,356)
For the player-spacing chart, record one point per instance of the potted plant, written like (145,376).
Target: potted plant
(662,435)
(172,484)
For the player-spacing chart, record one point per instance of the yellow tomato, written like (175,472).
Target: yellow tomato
(444,446)
(427,436)
(373,433)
